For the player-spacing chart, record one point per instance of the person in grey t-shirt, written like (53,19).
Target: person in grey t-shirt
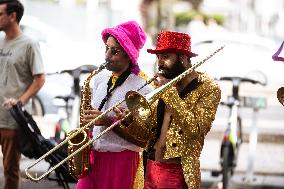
(21,77)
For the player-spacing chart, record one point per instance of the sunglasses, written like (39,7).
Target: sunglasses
(113,50)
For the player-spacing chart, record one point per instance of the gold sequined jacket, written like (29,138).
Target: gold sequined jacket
(192,119)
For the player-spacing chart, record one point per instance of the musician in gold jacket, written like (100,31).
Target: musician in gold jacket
(182,117)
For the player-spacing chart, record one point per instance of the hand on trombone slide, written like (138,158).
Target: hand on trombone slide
(92,114)
(105,120)
(120,112)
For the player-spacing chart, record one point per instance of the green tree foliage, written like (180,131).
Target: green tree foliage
(183,18)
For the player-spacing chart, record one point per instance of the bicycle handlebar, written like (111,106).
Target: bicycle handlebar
(236,84)
(241,80)
(80,70)
(77,71)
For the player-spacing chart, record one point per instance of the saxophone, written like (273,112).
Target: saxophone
(80,163)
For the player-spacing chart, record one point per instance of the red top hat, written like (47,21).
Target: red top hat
(176,42)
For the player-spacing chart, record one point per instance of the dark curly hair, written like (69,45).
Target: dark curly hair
(14,6)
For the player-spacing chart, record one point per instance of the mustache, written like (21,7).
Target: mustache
(109,61)
(162,70)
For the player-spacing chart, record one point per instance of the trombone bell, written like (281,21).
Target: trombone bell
(138,106)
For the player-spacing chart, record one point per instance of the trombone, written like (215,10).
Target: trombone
(75,133)
(139,105)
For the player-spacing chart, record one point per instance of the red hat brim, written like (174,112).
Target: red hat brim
(171,50)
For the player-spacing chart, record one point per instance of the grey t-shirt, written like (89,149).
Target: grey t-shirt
(20,60)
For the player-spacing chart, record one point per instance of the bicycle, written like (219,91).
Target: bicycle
(72,103)
(233,136)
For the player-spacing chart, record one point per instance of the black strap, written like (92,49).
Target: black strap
(190,87)
(118,83)
(160,116)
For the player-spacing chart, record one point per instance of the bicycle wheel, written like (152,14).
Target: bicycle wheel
(226,170)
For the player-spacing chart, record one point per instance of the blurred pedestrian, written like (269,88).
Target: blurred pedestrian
(114,159)
(279,56)
(213,27)
(196,27)
(183,116)
(21,76)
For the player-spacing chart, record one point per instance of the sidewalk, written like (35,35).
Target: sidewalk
(268,168)
(268,164)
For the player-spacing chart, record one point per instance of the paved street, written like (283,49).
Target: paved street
(27,184)
(268,168)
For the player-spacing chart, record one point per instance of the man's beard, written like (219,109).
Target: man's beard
(176,70)
(112,67)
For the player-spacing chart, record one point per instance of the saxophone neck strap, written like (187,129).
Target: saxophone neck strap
(110,89)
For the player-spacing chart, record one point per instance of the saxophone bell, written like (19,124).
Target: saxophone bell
(80,163)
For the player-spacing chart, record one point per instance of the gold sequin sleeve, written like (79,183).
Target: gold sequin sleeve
(195,114)
(280,95)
